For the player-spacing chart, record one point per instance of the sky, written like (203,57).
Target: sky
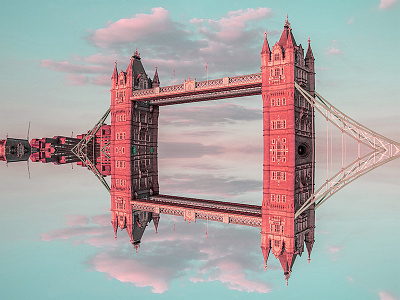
(57,59)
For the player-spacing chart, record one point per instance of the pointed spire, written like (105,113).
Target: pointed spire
(115,73)
(266,250)
(265,48)
(156,80)
(136,54)
(287,38)
(309,54)
(287,24)
(156,219)
(309,245)
(114,223)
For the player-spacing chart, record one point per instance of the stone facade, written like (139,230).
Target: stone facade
(288,149)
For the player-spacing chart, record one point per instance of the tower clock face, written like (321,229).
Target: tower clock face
(303,150)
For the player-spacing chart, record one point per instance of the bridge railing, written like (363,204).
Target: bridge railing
(192,86)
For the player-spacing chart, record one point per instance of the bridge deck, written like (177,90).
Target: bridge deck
(192,91)
(193,209)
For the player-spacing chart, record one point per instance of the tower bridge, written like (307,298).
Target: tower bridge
(128,149)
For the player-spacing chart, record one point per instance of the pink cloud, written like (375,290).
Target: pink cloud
(132,29)
(233,25)
(385,4)
(232,275)
(102,80)
(77,220)
(132,271)
(386,296)
(73,79)
(67,233)
(68,67)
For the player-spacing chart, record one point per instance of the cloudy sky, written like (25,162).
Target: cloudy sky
(56,61)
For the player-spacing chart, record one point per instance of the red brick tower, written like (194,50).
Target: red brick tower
(288,149)
(134,130)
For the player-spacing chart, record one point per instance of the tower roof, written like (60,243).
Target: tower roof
(287,38)
(287,261)
(135,68)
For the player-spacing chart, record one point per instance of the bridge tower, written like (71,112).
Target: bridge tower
(134,130)
(288,149)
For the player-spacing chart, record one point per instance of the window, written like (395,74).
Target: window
(278,102)
(278,124)
(283,101)
(273,102)
(121,81)
(277,71)
(277,56)
(278,175)
(277,243)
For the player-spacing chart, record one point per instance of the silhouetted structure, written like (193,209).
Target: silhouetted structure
(13,150)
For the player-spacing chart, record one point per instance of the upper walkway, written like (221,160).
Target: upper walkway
(192,91)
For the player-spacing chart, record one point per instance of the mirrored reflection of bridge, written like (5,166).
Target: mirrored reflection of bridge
(128,149)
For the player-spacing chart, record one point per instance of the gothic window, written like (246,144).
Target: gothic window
(277,71)
(277,57)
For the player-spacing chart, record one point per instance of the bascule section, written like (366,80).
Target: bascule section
(133,147)
(288,149)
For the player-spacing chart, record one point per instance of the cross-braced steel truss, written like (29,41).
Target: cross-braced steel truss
(82,152)
(383,150)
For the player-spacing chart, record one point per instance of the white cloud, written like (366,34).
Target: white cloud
(333,249)
(333,49)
